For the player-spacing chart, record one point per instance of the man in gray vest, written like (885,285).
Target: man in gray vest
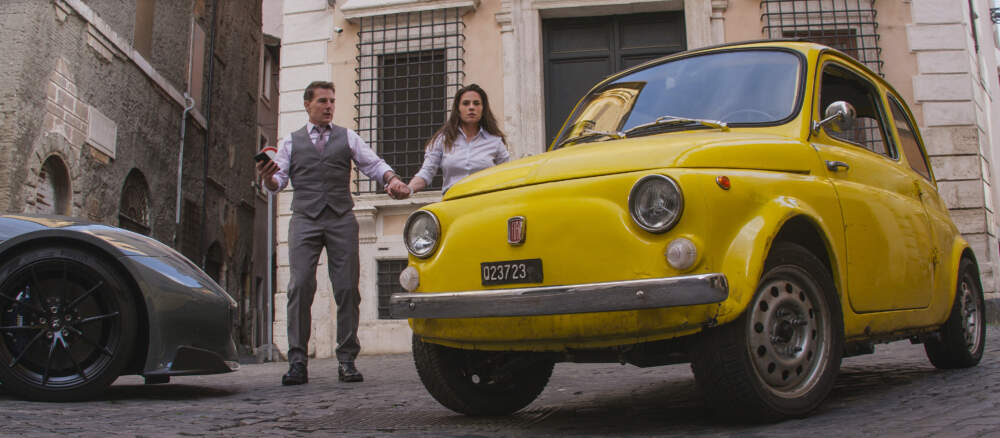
(317,159)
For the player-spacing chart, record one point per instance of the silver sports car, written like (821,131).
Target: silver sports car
(83,303)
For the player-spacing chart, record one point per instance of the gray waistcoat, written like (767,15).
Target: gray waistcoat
(321,180)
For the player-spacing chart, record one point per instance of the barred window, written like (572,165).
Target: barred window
(846,25)
(409,67)
(190,238)
(388,284)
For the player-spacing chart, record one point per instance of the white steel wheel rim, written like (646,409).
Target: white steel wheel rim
(972,318)
(789,336)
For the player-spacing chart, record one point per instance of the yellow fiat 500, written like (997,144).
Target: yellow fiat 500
(759,210)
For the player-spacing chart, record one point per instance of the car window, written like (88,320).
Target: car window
(908,141)
(736,87)
(840,84)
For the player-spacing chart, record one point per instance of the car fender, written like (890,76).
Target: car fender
(747,252)
(175,307)
(183,313)
(942,302)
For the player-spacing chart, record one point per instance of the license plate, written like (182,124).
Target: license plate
(513,271)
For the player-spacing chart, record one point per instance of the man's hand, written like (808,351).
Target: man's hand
(397,189)
(266,170)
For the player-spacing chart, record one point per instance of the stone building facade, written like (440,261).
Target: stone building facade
(536,57)
(93,98)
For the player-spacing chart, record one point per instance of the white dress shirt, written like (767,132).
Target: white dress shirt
(465,158)
(367,161)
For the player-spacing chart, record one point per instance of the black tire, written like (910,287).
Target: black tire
(67,324)
(480,382)
(781,357)
(962,338)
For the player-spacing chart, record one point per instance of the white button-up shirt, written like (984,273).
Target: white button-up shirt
(367,161)
(466,157)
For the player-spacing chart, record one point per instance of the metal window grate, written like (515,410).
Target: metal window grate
(388,284)
(409,66)
(847,25)
(190,243)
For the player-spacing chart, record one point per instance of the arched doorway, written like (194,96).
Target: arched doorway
(214,264)
(53,194)
(133,209)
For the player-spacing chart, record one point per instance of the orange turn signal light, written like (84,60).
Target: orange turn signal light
(723,181)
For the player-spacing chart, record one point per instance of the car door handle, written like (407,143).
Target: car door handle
(836,165)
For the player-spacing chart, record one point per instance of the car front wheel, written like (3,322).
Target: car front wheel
(961,339)
(781,357)
(67,324)
(480,382)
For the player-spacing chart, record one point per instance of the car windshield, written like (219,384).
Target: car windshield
(698,92)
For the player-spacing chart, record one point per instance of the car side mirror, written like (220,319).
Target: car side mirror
(839,115)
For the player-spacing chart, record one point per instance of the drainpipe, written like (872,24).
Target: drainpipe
(189,103)
(208,128)
(270,279)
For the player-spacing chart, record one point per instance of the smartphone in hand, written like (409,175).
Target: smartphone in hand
(265,155)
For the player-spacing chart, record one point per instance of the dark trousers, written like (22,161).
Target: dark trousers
(306,239)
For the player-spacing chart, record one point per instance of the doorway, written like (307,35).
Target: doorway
(579,52)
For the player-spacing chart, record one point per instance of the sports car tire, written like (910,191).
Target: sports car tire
(478,382)
(67,324)
(781,357)
(962,338)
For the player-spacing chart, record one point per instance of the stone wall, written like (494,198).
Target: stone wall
(954,89)
(72,86)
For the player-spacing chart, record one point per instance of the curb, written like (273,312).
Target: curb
(992,311)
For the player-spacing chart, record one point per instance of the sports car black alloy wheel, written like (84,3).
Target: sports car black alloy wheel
(67,324)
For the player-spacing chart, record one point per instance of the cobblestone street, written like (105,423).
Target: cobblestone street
(895,392)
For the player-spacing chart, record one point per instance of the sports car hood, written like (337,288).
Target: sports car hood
(125,242)
(117,242)
(691,149)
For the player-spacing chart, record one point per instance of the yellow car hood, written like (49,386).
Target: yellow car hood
(701,149)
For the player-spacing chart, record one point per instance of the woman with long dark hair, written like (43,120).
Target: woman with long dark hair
(468,142)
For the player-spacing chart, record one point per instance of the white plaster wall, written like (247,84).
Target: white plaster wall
(307,26)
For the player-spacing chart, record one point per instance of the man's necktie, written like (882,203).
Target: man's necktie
(320,140)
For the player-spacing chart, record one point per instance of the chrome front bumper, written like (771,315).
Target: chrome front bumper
(612,296)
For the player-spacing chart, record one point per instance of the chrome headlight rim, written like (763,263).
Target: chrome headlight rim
(407,228)
(632,199)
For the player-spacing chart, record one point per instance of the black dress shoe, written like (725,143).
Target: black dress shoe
(348,373)
(296,375)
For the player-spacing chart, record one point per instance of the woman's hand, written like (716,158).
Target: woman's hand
(416,184)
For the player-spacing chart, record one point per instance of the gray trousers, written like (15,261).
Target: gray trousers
(306,239)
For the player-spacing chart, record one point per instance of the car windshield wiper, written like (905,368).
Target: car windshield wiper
(589,133)
(666,121)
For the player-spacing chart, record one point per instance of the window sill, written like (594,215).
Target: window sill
(355,9)
(382,201)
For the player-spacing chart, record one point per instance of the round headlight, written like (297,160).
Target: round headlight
(655,203)
(421,233)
